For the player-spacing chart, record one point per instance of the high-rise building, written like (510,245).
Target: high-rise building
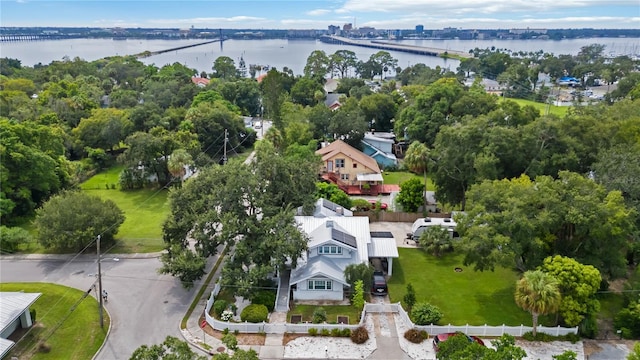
(347,27)
(333,29)
(419,29)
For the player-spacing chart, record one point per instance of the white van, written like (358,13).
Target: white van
(420,225)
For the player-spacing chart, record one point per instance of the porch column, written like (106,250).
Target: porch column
(390,269)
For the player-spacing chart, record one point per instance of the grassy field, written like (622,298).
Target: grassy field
(398,177)
(145,210)
(78,336)
(333,311)
(466,297)
(560,111)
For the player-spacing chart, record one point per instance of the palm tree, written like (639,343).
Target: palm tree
(417,159)
(538,293)
(177,162)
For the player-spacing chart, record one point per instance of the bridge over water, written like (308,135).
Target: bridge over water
(385,45)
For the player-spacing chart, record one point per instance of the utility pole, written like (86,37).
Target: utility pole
(226,139)
(100,284)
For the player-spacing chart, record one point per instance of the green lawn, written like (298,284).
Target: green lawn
(333,311)
(145,210)
(398,177)
(466,297)
(560,111)
(79,335)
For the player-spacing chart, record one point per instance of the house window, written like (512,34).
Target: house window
(344,176)
(339,163)
(330,249)
(355,165)
(319,284)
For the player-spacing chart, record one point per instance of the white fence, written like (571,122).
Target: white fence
(269,328)
(280,328)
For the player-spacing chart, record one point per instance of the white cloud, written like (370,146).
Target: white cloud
(474,6)
(318,12)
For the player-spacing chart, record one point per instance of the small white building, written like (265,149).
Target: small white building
(14,315)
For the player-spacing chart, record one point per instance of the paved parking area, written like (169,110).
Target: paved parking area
(398,229)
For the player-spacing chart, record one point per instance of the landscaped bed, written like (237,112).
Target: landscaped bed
(464,296)
(333,312)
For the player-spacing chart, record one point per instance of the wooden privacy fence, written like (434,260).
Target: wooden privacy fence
(280,328)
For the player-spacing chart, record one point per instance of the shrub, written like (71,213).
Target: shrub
(226,315)
(313,332)
(12,237)
(410,297)
(319,315)
(325,332)
(416,336)
(346,332)
(231,341)
(219,306)
(425,314)
(254,313)
(266,298)
(336,332)
(628,320)
(360,205)
(360,335)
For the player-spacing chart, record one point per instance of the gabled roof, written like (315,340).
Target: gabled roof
(330,230)
(357,226)
(319,266)
(202,82)
(340,147)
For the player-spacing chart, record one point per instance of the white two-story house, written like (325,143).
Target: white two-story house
(336,240)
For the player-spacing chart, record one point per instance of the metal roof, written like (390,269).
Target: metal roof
(320,266)
(13,304)
(369,177)
(5,346)
(357,226)
(383,248)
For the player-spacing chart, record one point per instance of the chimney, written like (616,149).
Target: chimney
(339,210)
(329,224)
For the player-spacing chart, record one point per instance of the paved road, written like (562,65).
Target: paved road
(144,306)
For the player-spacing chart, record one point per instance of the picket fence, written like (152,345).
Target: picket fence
(281,328)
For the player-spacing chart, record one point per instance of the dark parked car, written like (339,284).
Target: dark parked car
(444,336)
(379,286)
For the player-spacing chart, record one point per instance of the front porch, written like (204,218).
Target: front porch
(358,187)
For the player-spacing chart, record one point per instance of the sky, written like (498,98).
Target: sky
(312,14)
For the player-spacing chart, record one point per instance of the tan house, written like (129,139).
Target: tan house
(350,168)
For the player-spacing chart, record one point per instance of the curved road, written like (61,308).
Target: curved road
(144,306)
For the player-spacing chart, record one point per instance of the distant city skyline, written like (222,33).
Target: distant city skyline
(310,14)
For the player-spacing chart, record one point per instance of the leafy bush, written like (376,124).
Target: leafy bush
(410,297)
(313,332)
(346,332)
(425,314)
(359,335)
(628,320)
(325,332)
(540,336)
(589,327)
(319,315)
(266,298)
(416,336)
(360,205)
(219,306)
(335,332)
(231,341)
(254,313)
(12,237)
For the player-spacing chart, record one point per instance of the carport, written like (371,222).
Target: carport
(383,246)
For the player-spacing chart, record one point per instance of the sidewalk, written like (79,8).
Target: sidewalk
(82,257)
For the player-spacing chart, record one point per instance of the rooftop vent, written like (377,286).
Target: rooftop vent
(447,220)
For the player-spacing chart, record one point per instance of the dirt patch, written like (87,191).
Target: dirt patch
(243,339)
(290,337)
(590,347)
